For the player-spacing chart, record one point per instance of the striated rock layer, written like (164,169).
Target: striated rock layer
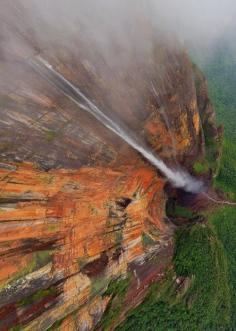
(78,207)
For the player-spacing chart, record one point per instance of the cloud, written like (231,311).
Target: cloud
(104,23)
(196,20)
(111,43)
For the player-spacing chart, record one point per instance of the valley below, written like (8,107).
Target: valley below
(117,180)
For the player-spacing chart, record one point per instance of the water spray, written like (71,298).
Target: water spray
(178,177)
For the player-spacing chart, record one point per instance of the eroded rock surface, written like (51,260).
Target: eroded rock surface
(78,206)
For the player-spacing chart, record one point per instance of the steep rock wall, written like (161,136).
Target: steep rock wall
(78,207)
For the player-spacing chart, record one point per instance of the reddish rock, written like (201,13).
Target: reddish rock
(75,199)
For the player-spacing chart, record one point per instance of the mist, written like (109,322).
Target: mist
(112,38)
(177,176)
(200,23)
(109,34)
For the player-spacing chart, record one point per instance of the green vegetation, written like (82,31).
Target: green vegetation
(39,295)
(224,222)
(53,227)
(56,325)
(50,135)
(42,258)
(147,240)
(16,328)
(117,290)
(201,167)
(205,255)
(47,178)
(221,74)
(206,303)
(38,260)
(175,210)
(99,283)
(181,211)
(212,145)
(226,179)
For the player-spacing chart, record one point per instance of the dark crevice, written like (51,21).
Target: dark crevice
(182,208)
(97,266)
(32,245)
(123,202)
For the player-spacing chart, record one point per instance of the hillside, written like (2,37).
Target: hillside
(221,74)
(112,162)
(205,256)
(79,208)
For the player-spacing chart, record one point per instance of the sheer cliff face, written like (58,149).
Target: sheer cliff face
(78,206)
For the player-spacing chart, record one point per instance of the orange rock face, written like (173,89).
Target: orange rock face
(78,206)
(79,209)
(68,219)
(67,232)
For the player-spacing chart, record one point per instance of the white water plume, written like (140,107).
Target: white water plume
(178,177)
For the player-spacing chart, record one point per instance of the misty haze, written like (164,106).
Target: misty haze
(117,165)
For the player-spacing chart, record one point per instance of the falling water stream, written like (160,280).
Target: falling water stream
(178,177)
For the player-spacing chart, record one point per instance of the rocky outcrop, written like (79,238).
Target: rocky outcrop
(212,135)
(66,233)
(78,207)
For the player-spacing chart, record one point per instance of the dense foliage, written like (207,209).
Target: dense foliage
(205,255)
(201,301)
(117,290)
(221,74)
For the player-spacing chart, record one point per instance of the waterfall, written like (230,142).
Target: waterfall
(177,176)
